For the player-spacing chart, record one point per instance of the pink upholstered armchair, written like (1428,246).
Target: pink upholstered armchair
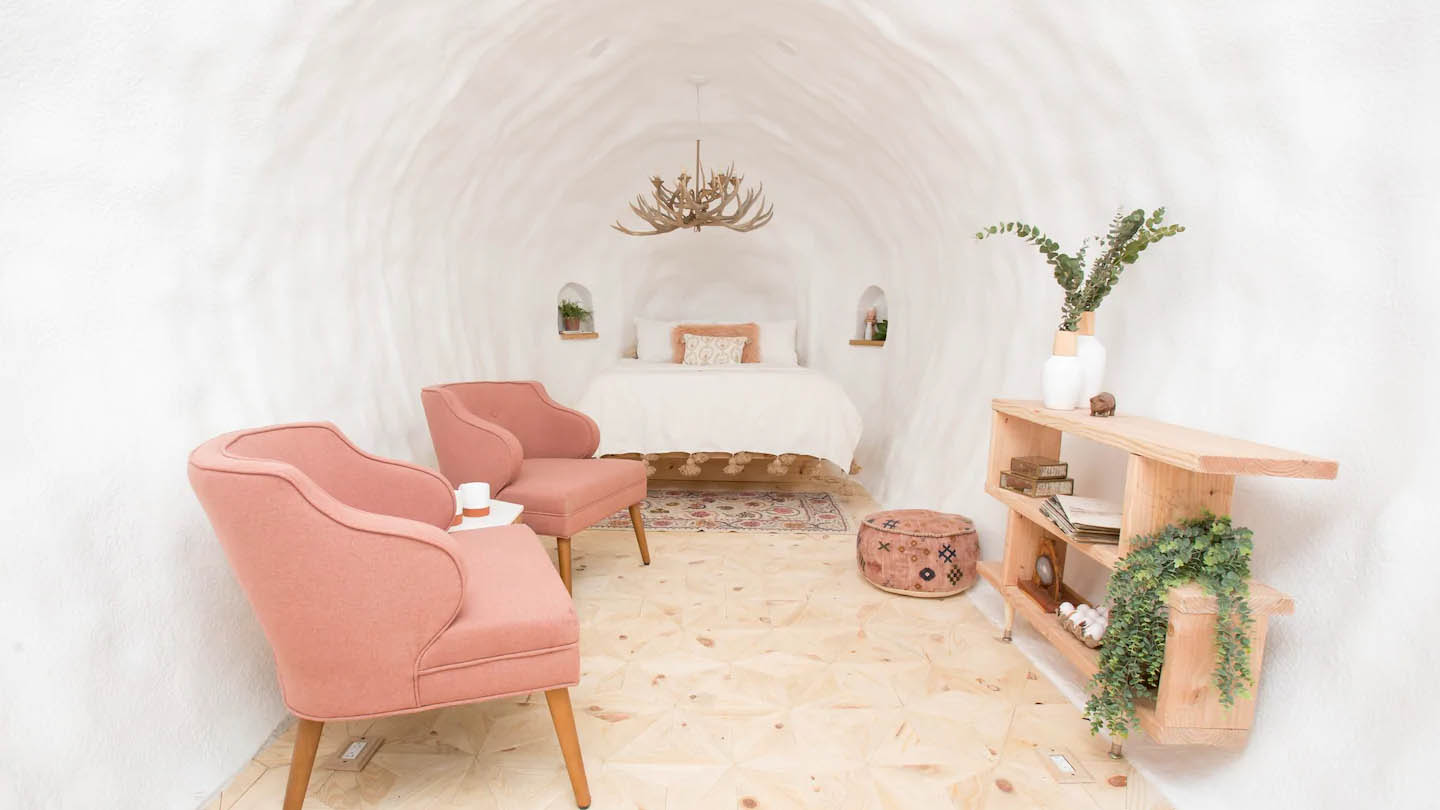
(534,452)
(371,607)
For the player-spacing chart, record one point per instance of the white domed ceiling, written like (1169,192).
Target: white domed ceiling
(221,214)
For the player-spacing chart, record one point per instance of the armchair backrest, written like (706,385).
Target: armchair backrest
(341,556)
(543,427)
(468,447)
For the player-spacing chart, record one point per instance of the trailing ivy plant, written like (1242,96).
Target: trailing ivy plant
(1209,551)
(1129,235)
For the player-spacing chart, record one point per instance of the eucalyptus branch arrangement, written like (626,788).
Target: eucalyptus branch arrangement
(1129,235)
(1209,551)
(1069,270)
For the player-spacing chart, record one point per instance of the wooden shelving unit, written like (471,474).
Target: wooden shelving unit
(1173,473)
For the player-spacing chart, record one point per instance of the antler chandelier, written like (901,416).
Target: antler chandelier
(698,204)
(700,201)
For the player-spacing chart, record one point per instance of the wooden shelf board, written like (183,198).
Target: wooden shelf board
(1048,625)
(1104,553)
(579,335)
(1186,598)
(1177,446)
(990,572)
(1264,600)
(857,342)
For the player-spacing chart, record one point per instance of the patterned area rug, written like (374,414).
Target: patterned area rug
(687,510)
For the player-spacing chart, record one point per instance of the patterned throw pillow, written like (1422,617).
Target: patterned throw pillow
(709,350)
(750,330)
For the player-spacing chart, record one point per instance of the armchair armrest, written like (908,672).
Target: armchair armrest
(544,427)
(468,447)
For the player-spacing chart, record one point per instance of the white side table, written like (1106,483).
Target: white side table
(502,513)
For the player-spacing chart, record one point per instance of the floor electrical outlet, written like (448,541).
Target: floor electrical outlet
(1064,767)
(355,755)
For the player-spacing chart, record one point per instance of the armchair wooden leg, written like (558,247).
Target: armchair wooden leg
(562,546)
(302,761)
(564,719)
(637,519)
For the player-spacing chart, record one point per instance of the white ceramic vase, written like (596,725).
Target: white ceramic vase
(1092,360)
(1063,377)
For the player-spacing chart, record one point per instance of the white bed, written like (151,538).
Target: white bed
(658,407)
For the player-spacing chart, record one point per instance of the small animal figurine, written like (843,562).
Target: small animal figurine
(1102,404)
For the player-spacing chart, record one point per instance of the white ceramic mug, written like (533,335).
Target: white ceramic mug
(475,498)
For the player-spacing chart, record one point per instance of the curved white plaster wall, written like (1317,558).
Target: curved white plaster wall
(216,215)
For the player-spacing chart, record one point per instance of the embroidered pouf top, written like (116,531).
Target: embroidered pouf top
(918,552)
(920,522)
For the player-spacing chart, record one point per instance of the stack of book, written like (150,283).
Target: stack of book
(1038,477)
(1091,520)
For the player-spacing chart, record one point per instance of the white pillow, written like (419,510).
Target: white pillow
(712,350)
(777,343)
(652,340)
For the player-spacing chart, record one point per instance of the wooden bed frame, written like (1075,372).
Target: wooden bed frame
(737,466)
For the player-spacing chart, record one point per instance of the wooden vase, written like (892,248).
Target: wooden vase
(1062,378)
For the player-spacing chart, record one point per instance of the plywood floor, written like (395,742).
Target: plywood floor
(742,671)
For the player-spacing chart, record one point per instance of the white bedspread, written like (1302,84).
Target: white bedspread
(645,407)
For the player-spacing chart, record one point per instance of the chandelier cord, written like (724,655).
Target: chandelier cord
(699,130)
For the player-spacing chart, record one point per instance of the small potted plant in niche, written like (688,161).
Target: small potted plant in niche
(1076,350)
(572,314)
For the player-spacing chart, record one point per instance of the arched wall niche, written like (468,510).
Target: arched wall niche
(580,294)
(873,297)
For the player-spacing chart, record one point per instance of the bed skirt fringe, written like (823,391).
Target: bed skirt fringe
(737,466)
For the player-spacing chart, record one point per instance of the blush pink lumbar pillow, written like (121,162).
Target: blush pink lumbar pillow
(751,354)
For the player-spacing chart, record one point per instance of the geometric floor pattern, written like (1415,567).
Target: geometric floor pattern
(741,671)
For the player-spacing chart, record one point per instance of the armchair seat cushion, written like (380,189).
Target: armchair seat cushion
(514,606)
(563,496)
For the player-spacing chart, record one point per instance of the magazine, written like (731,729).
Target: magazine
(1092,520)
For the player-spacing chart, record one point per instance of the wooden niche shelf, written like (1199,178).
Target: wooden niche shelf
(857,342)
(1174,473)
(579,335)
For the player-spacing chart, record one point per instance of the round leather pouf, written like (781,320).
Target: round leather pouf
(918,552)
